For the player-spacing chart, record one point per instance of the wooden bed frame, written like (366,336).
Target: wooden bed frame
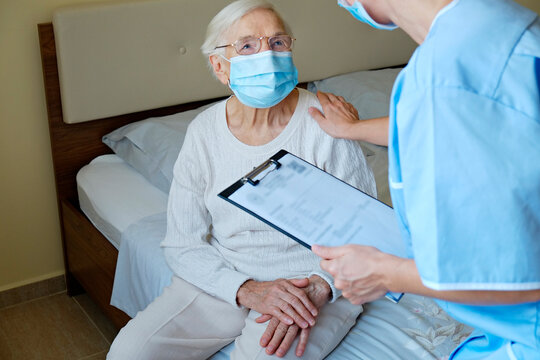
(89,258)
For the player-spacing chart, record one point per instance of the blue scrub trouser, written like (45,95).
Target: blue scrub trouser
(485,346)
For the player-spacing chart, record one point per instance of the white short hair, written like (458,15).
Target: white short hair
(221,23)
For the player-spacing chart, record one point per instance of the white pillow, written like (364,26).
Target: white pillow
(368,91)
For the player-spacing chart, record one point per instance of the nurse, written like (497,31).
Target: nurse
(463,140)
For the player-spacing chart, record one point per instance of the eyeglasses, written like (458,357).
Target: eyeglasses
(252,45)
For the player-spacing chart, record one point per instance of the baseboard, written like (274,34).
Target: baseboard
(32,291)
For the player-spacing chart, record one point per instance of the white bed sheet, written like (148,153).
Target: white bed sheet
(134,213)
(113,196)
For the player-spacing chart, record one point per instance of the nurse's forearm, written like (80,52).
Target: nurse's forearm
(374,131)
(404,277)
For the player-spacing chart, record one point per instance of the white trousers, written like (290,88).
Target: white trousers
(186,323)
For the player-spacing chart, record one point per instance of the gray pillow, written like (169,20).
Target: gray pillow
(151,146)
(369,92)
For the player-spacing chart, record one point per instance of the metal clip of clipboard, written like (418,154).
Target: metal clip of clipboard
(249,178)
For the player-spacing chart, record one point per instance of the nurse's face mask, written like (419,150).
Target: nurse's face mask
(359,12)
(262,79)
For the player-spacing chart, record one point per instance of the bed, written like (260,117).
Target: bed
(119,75)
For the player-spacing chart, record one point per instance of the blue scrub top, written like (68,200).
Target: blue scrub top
(464,167)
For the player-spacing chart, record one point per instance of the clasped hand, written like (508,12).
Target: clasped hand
(290,306)
(281,298)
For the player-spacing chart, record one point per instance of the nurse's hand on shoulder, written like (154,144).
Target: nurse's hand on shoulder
(338,117)
(360,272)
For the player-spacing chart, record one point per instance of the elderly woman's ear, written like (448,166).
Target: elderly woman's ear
(221,68)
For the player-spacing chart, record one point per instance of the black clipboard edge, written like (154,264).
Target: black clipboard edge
(281,153)
(224,197)
(231,190)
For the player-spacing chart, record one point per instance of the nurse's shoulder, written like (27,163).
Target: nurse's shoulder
(469,46)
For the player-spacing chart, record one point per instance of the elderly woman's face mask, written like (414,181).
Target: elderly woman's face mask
(263,73)
(264,79)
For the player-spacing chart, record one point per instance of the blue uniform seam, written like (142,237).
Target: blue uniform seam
(537,326)
(511,53)
(537,71)
(472,91)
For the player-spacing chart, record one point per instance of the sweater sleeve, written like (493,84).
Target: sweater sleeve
(186,244)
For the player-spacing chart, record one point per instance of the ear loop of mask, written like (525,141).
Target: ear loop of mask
(229,79)
(224,58)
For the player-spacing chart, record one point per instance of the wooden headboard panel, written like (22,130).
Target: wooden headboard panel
(122,57)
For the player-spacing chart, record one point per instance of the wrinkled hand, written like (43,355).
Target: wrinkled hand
(359,271)
(339,115)
(281,298)
(278,336)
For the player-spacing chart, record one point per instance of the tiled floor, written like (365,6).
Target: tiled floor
(56,327)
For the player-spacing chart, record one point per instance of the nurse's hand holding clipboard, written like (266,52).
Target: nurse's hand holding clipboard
(362,273)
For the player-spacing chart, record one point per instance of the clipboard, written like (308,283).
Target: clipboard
(312,206)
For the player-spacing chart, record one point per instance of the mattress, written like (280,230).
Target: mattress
(113,196)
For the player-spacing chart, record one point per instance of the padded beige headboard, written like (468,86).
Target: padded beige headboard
(123,57)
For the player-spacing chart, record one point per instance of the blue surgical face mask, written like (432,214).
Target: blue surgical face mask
(264,79)
(359,12)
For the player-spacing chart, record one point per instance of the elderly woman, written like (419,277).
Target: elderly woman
(231,268)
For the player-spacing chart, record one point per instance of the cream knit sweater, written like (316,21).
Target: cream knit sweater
(216,246)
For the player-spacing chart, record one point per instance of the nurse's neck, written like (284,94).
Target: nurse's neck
(416,16)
